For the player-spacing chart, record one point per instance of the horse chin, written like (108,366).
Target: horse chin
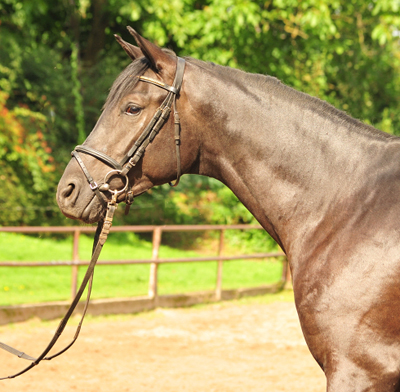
(93,212)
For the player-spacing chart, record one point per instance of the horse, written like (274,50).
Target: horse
(325,186)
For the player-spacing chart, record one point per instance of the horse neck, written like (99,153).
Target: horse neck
(288,157)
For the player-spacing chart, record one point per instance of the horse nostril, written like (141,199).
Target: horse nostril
(68,190)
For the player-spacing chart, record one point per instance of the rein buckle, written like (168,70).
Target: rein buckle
(128,202)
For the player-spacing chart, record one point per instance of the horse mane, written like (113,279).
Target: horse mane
(302,100)
(127,80)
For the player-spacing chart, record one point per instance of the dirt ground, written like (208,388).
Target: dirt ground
(227,347)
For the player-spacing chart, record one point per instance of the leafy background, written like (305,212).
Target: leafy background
(58,60)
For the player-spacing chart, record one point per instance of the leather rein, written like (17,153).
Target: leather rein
(120,169)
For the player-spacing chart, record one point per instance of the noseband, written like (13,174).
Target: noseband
(130,160)
(120,169)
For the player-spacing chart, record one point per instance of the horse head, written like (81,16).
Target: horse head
(135,144)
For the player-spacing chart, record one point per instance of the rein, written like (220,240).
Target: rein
(103,228)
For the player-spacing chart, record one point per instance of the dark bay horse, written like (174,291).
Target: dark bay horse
(325,186)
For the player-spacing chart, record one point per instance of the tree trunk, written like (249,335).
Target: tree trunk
(96,40)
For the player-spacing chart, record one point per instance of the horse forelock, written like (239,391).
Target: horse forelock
(126,81)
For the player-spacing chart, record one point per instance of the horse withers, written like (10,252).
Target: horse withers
(325,186)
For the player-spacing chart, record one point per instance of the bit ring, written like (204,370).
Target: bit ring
(115,191)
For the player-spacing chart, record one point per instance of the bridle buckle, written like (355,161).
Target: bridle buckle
(93,185)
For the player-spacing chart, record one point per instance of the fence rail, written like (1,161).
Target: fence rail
(155,260)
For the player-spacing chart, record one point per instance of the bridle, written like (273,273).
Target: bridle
(120,169)
(136,152)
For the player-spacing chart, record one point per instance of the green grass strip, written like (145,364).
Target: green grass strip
(19,285)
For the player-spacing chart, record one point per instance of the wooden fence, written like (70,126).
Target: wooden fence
(155,260)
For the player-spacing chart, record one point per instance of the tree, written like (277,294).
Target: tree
(58,60)
(26,165)
(345,53)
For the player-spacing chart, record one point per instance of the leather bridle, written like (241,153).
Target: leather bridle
(120,169)
(136,152)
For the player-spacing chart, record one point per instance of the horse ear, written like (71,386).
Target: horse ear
(159,60)
(133,51)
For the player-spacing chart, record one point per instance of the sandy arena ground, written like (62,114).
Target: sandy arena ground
(227,347)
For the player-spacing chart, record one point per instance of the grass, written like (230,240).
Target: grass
(43,284)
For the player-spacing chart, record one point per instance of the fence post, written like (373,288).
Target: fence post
(75,267)
(218,289)
(286,275)
(153,281)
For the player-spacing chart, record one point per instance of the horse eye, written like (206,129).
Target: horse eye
(132,110)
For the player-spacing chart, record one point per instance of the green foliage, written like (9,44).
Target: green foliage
(25,161)
(345,53)
(58,60)
(76,91)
